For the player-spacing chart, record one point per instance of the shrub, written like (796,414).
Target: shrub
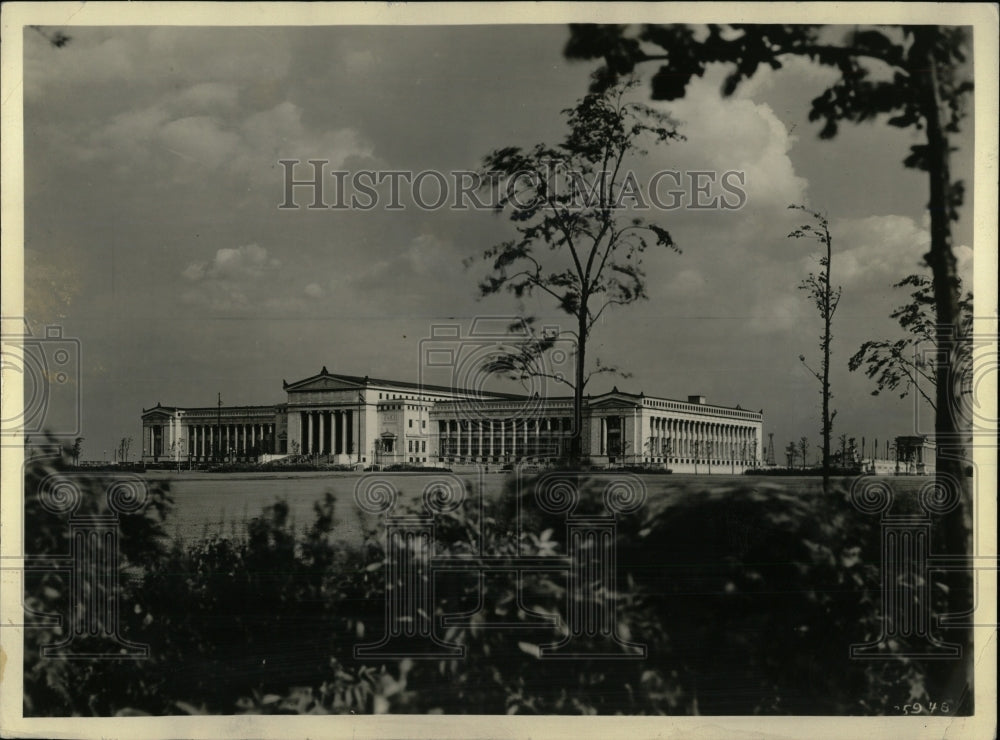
(746,597)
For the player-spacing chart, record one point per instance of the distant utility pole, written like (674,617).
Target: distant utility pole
(770,449)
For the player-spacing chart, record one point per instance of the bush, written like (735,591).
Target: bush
(746,598)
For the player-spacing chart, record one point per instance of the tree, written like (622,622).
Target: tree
(912,77)
(898,365)
(573,242)
(790,453)
(77,449)
(803,450)
(123,448)
(826,299)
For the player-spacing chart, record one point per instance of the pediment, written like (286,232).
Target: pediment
(322,383)
(158,412)
(614,400)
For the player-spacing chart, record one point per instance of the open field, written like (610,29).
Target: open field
(208,505)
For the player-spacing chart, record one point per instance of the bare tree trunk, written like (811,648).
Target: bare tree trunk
(576,440)
(827,421)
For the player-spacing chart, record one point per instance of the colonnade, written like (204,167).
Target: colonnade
(503,438)
(328,432)
(177,440)
(689,439)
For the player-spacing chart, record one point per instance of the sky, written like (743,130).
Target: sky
(153,234)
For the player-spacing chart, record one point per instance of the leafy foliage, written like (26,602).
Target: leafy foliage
(746,596)
(62,681)
(880,67)
(574,242)
(896,365)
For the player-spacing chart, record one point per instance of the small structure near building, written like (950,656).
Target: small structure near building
(909,455)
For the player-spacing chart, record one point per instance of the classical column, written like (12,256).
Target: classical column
(503,438)
(321,423)
(342,442)
(492,446)
(307,441)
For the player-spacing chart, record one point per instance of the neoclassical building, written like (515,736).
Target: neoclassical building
(354,420)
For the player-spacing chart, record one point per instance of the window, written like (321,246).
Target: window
(423,445)
(410,423)
(423,423)
(409,445)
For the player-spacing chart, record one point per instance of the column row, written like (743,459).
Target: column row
(680,439)
(209,441)
(328,432)
(502,438)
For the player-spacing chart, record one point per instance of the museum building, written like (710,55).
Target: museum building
(363,421)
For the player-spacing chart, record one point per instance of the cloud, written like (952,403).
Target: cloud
(207,96)
(877,249)
(226,282)
(177,56)
(687,282)
(314,290)
(199,140)
(736,134)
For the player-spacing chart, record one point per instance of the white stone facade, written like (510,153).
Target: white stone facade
(354,420)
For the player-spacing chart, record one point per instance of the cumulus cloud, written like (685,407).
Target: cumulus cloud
(249,261)
(880,249)
(735,134)
(230,281)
